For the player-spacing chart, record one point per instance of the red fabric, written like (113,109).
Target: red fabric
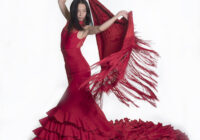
(126,66)
(78,117)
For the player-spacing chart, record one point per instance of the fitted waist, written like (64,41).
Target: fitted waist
(71,49)
(79,77)
(84,73)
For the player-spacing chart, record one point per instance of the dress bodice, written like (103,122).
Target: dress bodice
(77,68)
(70,40)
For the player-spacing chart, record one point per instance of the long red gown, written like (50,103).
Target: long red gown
(78,117)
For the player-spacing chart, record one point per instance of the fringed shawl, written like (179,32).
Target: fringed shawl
(125,64)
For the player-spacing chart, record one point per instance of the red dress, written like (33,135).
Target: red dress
(78,117)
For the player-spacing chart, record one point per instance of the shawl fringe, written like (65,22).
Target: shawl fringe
(132,64)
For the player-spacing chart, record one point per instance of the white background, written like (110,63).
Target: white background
(33,78)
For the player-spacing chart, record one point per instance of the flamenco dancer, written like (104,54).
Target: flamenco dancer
(123,61)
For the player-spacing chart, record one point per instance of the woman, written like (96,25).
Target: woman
(81,14)
(77,116)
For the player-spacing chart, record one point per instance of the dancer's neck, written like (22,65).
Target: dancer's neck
(81,23)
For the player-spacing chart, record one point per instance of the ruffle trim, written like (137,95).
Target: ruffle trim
(59,125)
(140,130)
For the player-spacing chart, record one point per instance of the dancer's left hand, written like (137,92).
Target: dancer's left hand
(123,13)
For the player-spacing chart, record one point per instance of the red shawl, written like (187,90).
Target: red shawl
(125,64)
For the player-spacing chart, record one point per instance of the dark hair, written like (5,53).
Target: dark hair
(74,22)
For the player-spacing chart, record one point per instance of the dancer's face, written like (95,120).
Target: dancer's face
(81,13)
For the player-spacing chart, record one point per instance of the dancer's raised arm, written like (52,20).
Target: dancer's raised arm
(64,9)
(89,30)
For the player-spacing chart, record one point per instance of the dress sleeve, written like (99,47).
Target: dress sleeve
(126,66)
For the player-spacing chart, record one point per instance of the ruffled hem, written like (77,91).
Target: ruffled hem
(60,125)
(140,130)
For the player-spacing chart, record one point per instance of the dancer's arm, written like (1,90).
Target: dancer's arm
(100,28)
(64,9)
